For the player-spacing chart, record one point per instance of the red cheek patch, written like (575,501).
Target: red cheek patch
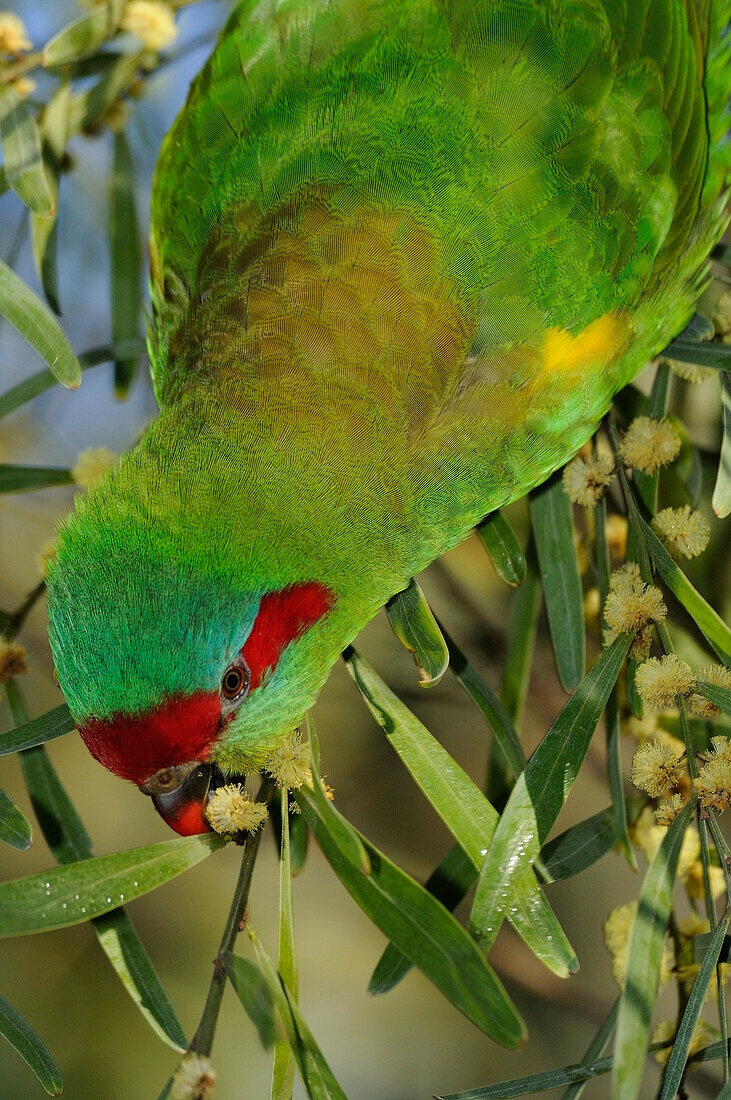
(185,727)
(181,729)
(283,617)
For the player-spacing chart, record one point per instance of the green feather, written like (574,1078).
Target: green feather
(403,255)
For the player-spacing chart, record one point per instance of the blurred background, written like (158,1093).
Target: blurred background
(410,1043)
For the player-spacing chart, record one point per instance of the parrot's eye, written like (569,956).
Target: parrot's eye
(235,682)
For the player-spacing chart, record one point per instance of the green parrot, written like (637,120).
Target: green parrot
(404,252)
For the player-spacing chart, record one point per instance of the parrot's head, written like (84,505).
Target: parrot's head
(178,668)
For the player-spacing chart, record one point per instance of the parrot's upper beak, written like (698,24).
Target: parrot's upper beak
(180,795)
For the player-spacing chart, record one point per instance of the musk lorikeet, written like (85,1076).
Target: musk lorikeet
(404,252)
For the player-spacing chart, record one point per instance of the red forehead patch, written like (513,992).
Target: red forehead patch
(181,729)
(283,617)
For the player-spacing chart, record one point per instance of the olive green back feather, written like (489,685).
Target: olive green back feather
(526,166)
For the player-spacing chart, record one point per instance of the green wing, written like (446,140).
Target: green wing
(537,185)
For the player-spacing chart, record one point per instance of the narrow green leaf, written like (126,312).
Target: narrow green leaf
(79,891)
(708,621)
(69,842)
(498,538)
(25,479)
(347,838)
(643,968)
(88,107)
(455,875)
(44,230)
(31,1049)
(534,1082)
(84,36)
(721,500)
(540,793)
(96,65)
(299,839)
(616,782)
(54,126)
(719,696)
(117,936)
(43,380)
(522,628)
(462,807)
(123,947)
(553,531)
(126,255)
(702,354)
(14,826)
(451,881)
(633,696)
(44,237)
(54,723)
(595,1050)
(657,402)
(299,835)
(416,923)
(414,624)
(556,1078)
(287,954)
(252,990)
(573,851)
(725,1093)
(22,160)
(614,751)
(679,1054)
(580,846)
(36,324)
(283,1067)
(456,798)
(517,666)
(317,1077)
(489,706)
(647,484)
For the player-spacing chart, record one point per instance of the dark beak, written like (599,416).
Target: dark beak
(184,807)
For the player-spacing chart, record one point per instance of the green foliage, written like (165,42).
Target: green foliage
(23,1038)
(498,538)
(14,826)
(36,324)
(643,966)
(414,625)
(316,1074)
(124,247)
(553,530)
(22,161)
(80,891)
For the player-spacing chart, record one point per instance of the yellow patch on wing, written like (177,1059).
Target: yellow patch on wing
(599,343)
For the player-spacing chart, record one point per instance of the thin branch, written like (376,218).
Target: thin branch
(11,623)
(202,1041)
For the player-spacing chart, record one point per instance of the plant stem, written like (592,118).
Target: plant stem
(202,1041)
(11,622)
(23,65)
